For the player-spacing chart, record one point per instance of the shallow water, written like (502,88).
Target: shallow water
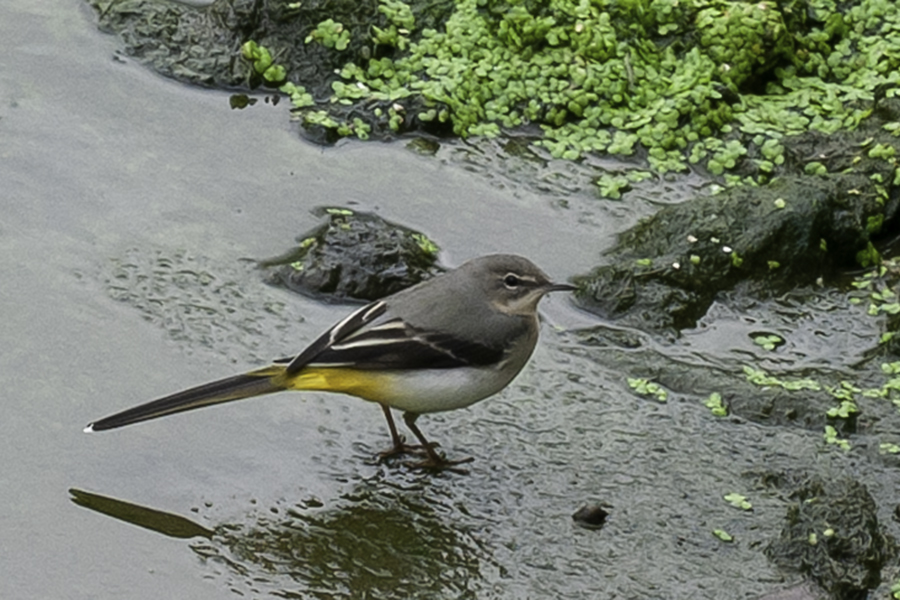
(129,204)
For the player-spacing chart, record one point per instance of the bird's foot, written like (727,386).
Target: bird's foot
(402,448)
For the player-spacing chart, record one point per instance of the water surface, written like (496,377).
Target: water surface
(129,204)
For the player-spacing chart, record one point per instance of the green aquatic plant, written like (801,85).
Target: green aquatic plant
(869,256)
(726,157)
(320,117)
(768,342)
(723,535)
(609,77)
(815,168)
(831,437)
(761,378)
(845,410)
(402,22)
(426,244)
(300,98)
(888,448)
(882,151)
(330,34)
(712,85)
(716,405)
(645,387)
(612,186)
(738,501)
(263,63)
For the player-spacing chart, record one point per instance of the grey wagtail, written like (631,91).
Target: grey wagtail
(443,344)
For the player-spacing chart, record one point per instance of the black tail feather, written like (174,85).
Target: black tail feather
(217,392)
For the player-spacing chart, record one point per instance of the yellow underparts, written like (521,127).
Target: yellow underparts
(369,385)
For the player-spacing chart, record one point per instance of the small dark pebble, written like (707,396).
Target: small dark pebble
(592,516)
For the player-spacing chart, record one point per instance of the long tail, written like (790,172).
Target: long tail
(255,383)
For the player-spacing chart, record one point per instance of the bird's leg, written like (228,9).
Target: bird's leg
(434,460)
(400,446)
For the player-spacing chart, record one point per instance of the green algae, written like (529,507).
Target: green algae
(800,229)
(698,82)
(671,84)
(852,398)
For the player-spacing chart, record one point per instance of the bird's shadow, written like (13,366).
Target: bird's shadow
(373,541)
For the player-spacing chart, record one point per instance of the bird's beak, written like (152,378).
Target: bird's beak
(561,287)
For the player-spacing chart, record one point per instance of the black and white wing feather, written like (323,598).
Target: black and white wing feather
(350,324)
(392,344)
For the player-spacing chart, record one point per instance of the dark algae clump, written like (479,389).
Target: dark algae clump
(355,256)
(665,271)
(831,534)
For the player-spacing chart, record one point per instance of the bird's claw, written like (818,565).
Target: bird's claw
(402,448)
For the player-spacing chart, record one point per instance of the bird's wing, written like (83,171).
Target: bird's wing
(353,322)
(392,344)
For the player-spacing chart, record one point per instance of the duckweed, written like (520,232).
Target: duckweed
(738,501)
(723,535)
(768,342)
(263,64)
(645,387)
(831,437)
(710,83)
(330,34)
(716,405)
(850,396)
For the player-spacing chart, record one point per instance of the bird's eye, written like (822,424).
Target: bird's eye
(511,281)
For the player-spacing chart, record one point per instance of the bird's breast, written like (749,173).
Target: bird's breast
(418,391)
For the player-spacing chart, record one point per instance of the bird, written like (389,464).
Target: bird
(440,345)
